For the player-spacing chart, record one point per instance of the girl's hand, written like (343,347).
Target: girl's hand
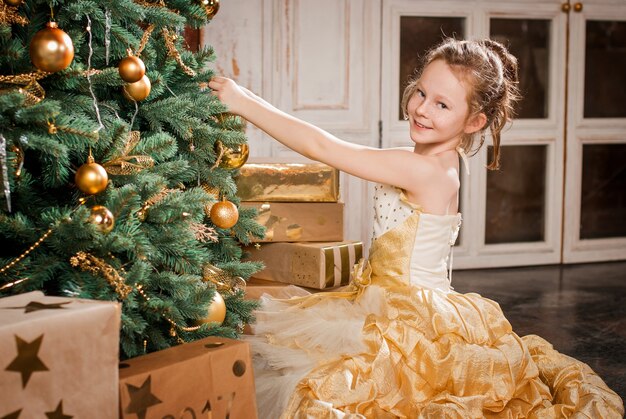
(229,93)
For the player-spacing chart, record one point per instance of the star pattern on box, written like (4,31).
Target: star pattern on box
(27,360)
(141,398)
(37,306)
(58,413)
(12,415)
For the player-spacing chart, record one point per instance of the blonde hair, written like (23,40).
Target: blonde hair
(491,71)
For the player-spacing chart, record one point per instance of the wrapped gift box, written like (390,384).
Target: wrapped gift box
(300,221)
(288,182)
(207,378)
(59,357)
(256,287)
(312,265)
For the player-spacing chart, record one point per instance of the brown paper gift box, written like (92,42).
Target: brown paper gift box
(312,265)
(207,378)
(256,287)
(300,221)
(288,182)
(58,356)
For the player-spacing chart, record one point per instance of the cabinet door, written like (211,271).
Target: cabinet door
(595,210)
(512,216)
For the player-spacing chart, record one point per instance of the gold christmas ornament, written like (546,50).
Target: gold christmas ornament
(232,157)
(131,69)
(13,3)
(51,49)
(102,218)
(138,90)
(91,178)
(224,214)
(211,7)
(216,311)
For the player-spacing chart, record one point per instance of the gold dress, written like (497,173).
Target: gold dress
(400,342)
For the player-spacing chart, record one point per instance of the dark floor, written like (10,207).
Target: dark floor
(580,309)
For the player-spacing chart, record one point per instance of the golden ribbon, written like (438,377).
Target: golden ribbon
(125,164)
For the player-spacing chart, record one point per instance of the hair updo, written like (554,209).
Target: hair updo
(491,71)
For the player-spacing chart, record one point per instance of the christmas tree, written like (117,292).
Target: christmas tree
(117,167)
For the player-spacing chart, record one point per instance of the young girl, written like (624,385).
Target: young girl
(399,342)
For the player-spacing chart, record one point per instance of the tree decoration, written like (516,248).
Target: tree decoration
(14,3)
(170,39)
(224,214)
(211,7)
(102,218)
(232,157)
(90,263)
(216,312)
(222,280)
(4,173)
(131,68)
(143,212)
(125,164)
(138,90)
(203,232)
(9,15)
(33,93)
(91,178)
(51,49)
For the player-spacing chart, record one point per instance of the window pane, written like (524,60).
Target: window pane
(529,41)
(417,35)
(516,196)
(603,198)
(605,69)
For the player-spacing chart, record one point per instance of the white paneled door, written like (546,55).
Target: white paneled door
(595,207)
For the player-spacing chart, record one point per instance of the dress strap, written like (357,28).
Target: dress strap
(464,158)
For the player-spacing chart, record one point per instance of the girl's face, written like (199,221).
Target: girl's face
(438,110)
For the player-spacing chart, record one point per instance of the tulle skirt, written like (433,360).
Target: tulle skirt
(410,352)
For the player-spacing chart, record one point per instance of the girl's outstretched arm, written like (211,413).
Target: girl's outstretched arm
(397,167)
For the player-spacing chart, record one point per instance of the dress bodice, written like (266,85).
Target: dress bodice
(409,244)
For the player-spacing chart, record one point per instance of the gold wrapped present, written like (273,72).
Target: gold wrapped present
(288,182)
(207,378)
(59,357)
(312,265)
(300,221)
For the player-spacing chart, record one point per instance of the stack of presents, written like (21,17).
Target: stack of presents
(304,244)
(59,359)
(59,356)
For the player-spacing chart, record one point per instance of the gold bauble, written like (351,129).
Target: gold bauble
(216,311)
(51,49)
(224,214)
(235,157)
(138,90)
(13,3)
(91,178)
(102,218)
(211,7)
(131,69)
